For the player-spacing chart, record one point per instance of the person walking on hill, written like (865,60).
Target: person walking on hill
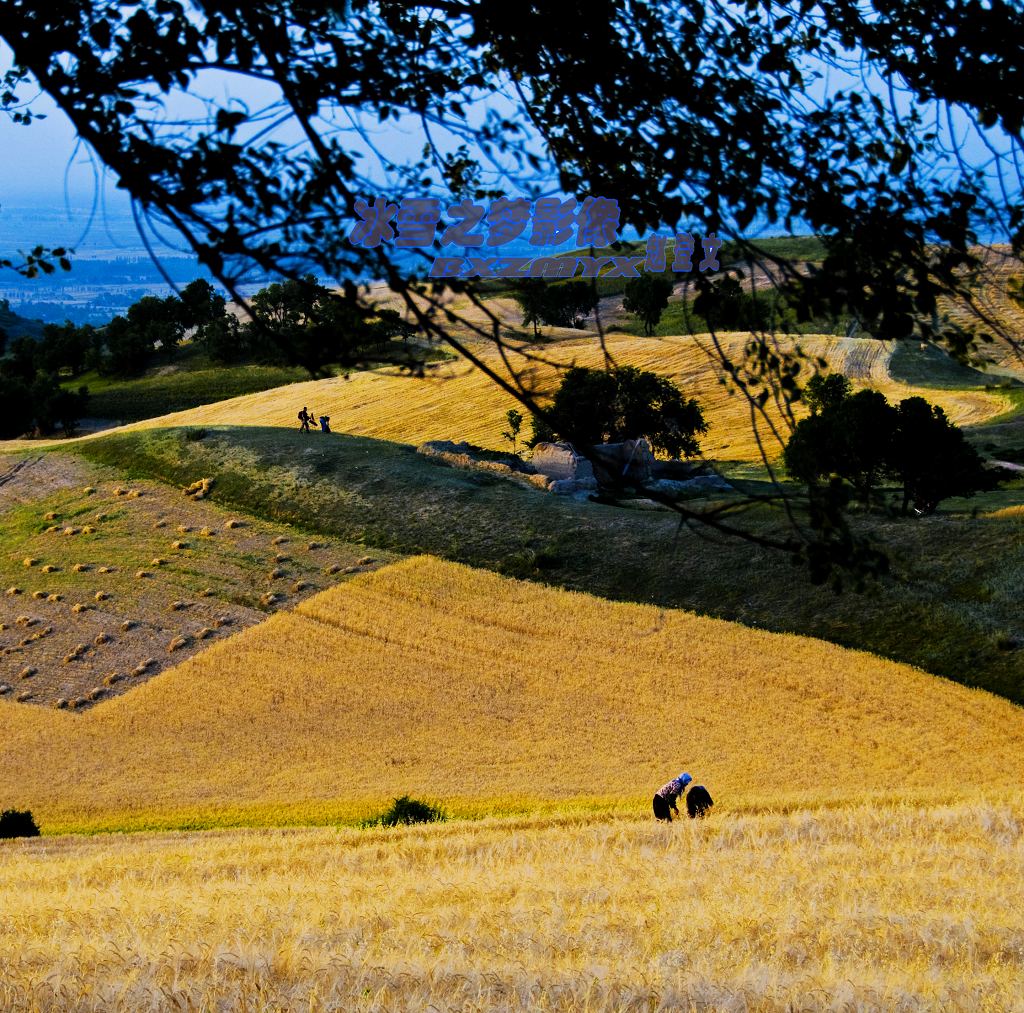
(304,418)
(666,796)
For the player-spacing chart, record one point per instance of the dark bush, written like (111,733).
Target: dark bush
(405,811)
(17,823)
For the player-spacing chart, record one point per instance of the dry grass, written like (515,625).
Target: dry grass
(862,909)
(496,695)
(457,402)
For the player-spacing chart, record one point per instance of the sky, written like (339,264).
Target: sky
(48,184)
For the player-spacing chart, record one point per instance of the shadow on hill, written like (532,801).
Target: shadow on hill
(954,609)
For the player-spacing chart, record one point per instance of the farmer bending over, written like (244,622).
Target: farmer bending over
(665,797)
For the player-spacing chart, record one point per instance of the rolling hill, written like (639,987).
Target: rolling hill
(501,696)
(457,402)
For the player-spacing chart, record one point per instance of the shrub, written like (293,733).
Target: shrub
(17,823)
(406,811)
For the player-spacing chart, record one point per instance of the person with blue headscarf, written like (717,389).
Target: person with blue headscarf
(665,797)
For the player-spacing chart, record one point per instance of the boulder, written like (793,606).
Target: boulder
(631,460)
(559,461)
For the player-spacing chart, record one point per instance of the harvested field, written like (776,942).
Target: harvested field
(82,589)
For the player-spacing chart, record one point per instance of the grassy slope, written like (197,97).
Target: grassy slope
(163,392)
(450,682)
(956,611)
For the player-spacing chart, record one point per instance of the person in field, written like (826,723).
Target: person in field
(325,423)
(698,802)
(304,418)
(666,796)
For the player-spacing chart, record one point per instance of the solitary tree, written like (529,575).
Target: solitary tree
(531,295)
(593,406)
(646,297)
(514,419)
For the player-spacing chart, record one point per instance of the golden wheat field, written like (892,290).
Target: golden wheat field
(867,908)
(866,851)
(495,695)
(456,401)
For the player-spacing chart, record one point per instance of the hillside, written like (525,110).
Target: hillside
(952,606)
(17,326)
(107,582)
(457,402)
(494,695)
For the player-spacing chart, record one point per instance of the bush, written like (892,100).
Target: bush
(17,823)
(405,811)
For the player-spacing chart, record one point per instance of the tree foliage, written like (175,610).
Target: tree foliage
(557,304)
(845,119)
(863,440)
(646,297)
(593,406)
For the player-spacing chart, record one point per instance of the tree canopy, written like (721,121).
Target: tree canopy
(846,119)
(861,439)
(593,406)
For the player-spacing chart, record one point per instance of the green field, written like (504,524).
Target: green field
(172,391)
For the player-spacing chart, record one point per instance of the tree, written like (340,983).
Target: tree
(593,406)
(852,437)
(826,391)
(301,322)
(862,439)
(16,415)
(531,294)
(159,323)
(646,297)
(784,142)
(514,419)
(567,303)
(126,348)
(201,304)
(932,459)
(66,347)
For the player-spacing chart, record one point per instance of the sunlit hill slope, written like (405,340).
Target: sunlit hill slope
(494,695)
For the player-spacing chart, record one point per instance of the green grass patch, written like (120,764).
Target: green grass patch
(932,367)
(160,393)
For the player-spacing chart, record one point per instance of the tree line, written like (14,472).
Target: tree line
(297,322)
